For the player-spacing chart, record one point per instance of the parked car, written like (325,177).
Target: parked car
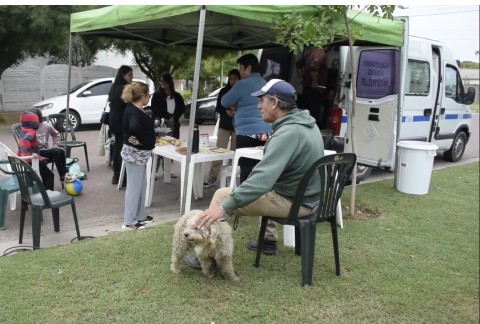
(205,108)
(87,101)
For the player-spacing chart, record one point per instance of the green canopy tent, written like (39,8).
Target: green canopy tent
(223,27)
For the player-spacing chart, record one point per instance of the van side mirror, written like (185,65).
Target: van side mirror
(470,96)
(87,93)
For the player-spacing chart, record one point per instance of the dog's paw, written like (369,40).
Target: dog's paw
(208,274)
(231,277)
(175,268)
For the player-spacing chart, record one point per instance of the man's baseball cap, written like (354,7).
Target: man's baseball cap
(278,88)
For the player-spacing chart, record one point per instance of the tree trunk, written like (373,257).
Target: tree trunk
(351,117)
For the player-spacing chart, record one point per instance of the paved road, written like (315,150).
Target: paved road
(100,206)
(471,154)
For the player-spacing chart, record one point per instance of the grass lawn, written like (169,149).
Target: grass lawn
(416,261)
(474,107)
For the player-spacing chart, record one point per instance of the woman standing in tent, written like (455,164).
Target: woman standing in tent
(168,104)
(138,142)
(115,118)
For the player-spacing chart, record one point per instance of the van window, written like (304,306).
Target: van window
(453,84)
(377,73)
(418,78)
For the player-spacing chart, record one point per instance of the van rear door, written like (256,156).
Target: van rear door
(378,83)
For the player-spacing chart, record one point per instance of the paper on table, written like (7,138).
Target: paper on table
(181,150)
(219,150)
(161,142)
(204,140)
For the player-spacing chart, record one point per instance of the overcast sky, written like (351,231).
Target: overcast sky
(456,26)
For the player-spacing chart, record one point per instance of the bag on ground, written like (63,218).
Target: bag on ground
(102,138)
(74,170)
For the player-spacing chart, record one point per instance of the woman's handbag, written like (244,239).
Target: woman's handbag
(104,117)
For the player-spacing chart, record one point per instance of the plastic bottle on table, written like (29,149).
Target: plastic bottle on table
(196,139)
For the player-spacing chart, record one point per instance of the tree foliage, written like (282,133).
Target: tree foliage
(83,52)
(296,31)
(29,31)
(154,59)
(469,65)
(214,67)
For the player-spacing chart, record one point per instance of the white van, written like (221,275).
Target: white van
(410,93)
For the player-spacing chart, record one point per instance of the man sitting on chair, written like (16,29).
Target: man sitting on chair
(295,145)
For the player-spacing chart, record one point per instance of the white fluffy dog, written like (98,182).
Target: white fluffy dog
(212,244)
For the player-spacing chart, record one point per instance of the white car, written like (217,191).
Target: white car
(87,101)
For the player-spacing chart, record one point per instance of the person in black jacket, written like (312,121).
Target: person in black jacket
(138,143)
(168,104)
(226,131)
(115,118)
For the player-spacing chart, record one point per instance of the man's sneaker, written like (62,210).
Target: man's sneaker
(210,182)
(133,227)
(147,220)
(192,262)
(269,247)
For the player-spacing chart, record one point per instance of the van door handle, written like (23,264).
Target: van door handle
(427,112)
(442,111)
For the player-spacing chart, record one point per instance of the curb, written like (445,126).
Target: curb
(69,237)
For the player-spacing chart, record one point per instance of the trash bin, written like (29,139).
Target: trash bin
(415,166)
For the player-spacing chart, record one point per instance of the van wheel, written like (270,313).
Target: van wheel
(455,152)
(363,172)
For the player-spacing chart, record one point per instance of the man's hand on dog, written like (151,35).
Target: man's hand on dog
(209,216)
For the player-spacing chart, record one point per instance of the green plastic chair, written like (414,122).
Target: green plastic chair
(58,121)
(33,193)
(334,172)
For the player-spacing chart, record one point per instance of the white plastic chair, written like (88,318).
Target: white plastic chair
(226,174)
(213,139)
(5,152)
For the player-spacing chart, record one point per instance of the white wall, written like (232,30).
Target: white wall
(29,83)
